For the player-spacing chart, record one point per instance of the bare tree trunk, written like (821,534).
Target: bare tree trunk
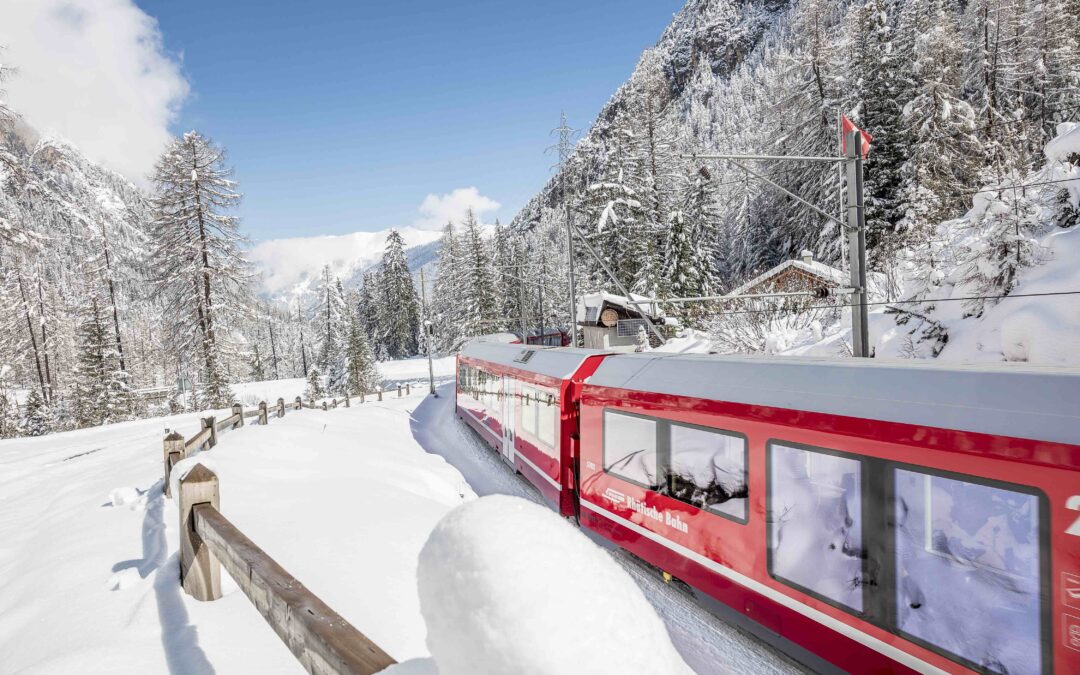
(112,298)
(303,352)
(44,338)
(208,319)
(273,347)
(33,337)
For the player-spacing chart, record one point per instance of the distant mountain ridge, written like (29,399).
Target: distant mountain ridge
(290,267)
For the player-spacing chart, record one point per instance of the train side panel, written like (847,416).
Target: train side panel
(996,489)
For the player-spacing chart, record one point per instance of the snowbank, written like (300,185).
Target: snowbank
(507,587)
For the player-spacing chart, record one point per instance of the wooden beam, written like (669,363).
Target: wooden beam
(319,637)
(173,453)
(200,571)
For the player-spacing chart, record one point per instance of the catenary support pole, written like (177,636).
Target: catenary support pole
(428,328)
(856,230)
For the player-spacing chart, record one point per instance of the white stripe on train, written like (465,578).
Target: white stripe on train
(855,634)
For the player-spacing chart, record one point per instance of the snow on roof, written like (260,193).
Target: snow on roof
(561,363)
(1008,400)
(827,273)
(505,338)
(876,281)
(597,300)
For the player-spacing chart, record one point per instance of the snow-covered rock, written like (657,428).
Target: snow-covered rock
(507,587)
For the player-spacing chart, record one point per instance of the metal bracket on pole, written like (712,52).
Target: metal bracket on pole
(856,231)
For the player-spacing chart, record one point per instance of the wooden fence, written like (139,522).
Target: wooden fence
(323,641)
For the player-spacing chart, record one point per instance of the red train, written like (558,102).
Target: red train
(865,516)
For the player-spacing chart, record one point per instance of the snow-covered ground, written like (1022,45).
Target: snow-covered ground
(414,370)
(343,499)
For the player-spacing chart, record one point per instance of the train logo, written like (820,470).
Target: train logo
(614,496)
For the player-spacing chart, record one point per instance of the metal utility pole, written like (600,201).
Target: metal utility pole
(521,300)
(856,231)
(540,293)
(565,146)
(425,324)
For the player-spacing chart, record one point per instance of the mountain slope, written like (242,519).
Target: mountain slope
(289,267)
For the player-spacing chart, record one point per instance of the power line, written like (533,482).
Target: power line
(901,302)
(1017,187)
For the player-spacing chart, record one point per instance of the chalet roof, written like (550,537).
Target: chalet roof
(592,304)
(828,275)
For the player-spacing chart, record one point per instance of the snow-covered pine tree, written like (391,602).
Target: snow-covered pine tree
(879,88)
(1005,245)
(102,392)
(331,329)
(363,372)
(615,209)
(688,266)
(314,389)
(258,368)
(446,302)
(479,305)
(399,311)
(653,179)
(201,277)
(39,418)
(939,124)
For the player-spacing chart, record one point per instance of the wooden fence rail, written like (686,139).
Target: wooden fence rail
(176,448)
(323,641)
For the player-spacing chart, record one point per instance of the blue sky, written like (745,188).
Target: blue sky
(343,116)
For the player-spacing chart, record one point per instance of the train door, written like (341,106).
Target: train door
(506,408)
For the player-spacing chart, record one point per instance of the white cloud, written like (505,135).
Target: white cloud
(94,72)
(436,210)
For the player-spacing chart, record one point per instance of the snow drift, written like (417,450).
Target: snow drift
(507,587)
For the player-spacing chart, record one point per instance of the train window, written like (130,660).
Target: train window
(547,414)
(528,410)
(708,470)
(815,522)
(630,448)
(968,570)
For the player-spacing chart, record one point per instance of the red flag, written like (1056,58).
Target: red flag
(846,127)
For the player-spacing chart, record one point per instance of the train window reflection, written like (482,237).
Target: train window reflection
(546,417)
(708,470)
(630,448)
(968,562)
(815,522)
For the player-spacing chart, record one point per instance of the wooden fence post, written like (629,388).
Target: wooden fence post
(347,400)
(238,409)
(211,423)
(174,452)
(263,417)
(380,393)
(200,570)
(299,403)
(399,391)
(362,397)
(281,407)
(408,389)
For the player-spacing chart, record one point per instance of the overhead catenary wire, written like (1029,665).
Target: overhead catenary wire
(897,302)
(999,188)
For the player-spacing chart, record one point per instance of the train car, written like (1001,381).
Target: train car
(522,401)
(871,517)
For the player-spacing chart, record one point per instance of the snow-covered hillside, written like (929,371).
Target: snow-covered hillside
(289,267)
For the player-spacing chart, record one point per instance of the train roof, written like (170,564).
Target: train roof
(555,362)
(1041,403)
